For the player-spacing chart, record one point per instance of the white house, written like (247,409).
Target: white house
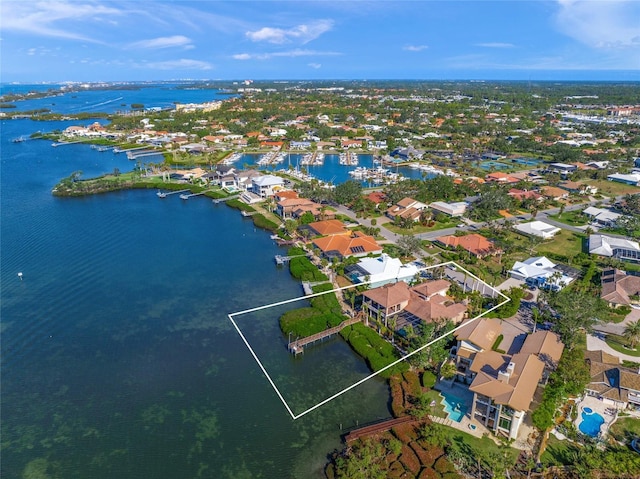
(537,228)
(382,270)
(614,247)
(630,179)
(540,272)
(601,216)
(267,185)
(451,209)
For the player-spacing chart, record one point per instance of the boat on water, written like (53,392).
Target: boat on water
(20,139)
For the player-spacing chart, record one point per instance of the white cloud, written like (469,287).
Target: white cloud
(291,54)
(44,18)
(163,42)
(314,65)
(495,45)
(415,48)
(301,33)
(601,24)
(182,64)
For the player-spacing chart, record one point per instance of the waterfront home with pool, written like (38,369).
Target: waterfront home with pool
(612,383)
(425,302)
(502,384)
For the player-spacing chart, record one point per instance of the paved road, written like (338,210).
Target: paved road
(430,236)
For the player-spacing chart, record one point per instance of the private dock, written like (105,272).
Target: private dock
(186,197)
(140,154)
(296,347)
(164,194)
(119,150)
(219,200)
(62,143)
(280,260)
(378,428)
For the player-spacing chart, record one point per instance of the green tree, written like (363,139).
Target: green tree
(408,245)
(632,333)
(348,192)
(577,312)
(364,461)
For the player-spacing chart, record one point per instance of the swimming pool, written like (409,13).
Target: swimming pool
(591,422)
(453,406)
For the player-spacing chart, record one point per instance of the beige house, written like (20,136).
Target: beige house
(619,288)
(407,208)
(503,384)
(425,302)
(612,383)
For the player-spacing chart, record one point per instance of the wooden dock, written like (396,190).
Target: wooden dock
(378,428)
(296,347)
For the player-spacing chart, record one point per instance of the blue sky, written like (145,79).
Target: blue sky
(110,40)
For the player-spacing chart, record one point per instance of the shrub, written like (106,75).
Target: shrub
(409,460)
(428,379)
(377,352)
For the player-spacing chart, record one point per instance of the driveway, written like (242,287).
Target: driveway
(594,343)
(618,328)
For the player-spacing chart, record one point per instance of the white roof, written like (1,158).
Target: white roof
(268,180)
(604,245)
(532,267)
(633,177)
(537,228)
(385,268)
(601,213)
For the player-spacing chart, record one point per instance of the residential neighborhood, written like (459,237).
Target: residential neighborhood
(477,253)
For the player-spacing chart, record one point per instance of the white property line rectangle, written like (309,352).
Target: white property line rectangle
(340,393)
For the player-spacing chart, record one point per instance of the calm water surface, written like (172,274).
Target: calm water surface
(118,359)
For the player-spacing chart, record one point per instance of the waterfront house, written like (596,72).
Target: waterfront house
(619,288)
(503,385)
(614,247)
(266,186)
(328,228)
(342,246)
(425,302)
(612,383)
(542,273)
(539,229)
(291,207)
(475,244)
(407,208)
(381,270)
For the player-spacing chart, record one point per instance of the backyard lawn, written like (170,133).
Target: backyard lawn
(572,218)
(418,228)
(613,188)
(625,428)
(565,243)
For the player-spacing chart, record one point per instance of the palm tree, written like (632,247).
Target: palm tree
(632,333)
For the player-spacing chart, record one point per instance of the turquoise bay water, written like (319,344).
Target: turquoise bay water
(118,359)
